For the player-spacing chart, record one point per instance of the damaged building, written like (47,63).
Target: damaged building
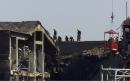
(27,52)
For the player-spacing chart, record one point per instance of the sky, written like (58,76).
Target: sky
(92,17)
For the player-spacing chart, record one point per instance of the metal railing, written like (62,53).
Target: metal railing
(114,74)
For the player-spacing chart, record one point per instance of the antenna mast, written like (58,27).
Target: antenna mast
(126,10)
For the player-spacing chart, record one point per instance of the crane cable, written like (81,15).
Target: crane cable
(112,16)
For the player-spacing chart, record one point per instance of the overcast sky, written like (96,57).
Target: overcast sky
(92,17)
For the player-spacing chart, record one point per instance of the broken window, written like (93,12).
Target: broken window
(38,35)
(24,56)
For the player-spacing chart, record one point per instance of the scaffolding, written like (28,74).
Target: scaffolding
(115,74)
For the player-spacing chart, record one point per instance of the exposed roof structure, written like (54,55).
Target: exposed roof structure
(25,27)
(22,27)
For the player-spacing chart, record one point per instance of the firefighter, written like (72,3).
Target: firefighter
(71,39)
(66,38)
(55,35)
(78,35)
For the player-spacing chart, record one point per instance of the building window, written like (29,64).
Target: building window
(38,36)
